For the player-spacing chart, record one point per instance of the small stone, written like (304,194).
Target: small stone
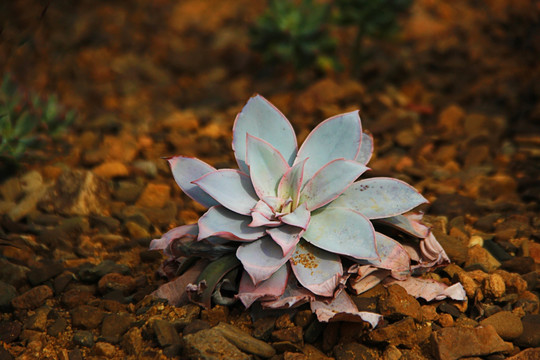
(294,334)
(27,204)
(154,196)
(10,331)
(195,326)
(12,274)
(479,255)
(57,327)
(147,167)
(527,354)
(38,321)
(132,341)
(186,314)
(136,231)
(284,322)
(402,333)
(303,318)
(77,193)
(33,298)
(104,349)
(111,169)
(454,248)
(513,282)
(530,337)
(494,286)
(92,273)
(446,320)
(114,281)
(127,191)
(294,356)
(519,264)
(7,293)
(456,342)
(244,341)
(469,284)
(83,338)
(450,309)
(429,313)
(453,205)
(506,324)
(114,326)
(392,353)
(399,302)
(210,344)
(165,332)
(45,271)
(354,351)
(313,353)
(86,317)
(215,315)
(74,297)
(263,327)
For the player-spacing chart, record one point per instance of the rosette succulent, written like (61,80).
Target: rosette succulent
(295,220)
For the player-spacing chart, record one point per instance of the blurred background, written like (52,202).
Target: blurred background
(443,86)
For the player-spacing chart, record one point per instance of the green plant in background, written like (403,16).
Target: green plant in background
(298,33)
(27,120)
(292,32)
(372,18)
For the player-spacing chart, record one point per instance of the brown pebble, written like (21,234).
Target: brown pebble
(507,325)
(446,320)
(33,298)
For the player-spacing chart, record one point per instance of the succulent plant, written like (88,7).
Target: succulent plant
(296,221)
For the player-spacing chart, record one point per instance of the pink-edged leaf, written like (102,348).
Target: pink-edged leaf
(429,289)
(342,231)
(175,291)
(299,217)
(317,270)
(342,308)
(329,182)
(366,149)
(261,119)
(163,242)
(259,219)
(270,289)
(261,258)
(274,203)
(231,188)
(408,223)
(219,221)
(264,209)
(291,183)
(187,169)
(393,256)
(266,166)
(338,137)
(431,250)
(369,280)
(286,236)
(292,297)
(380,197)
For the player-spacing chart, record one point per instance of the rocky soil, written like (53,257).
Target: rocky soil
(453,105)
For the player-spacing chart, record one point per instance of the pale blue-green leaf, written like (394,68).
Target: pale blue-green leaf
(380,197)
(230,188)
(330,182)
(409,224)
(261,258)
(266,166)
(286,236)
(299,217)
(270,289)
(335,138)
(366,149)
(163,242)
(342,231)
(185,170)
(259,219)
(317,270)
(291,183)
(219,221)
(393,256)
(261,119)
